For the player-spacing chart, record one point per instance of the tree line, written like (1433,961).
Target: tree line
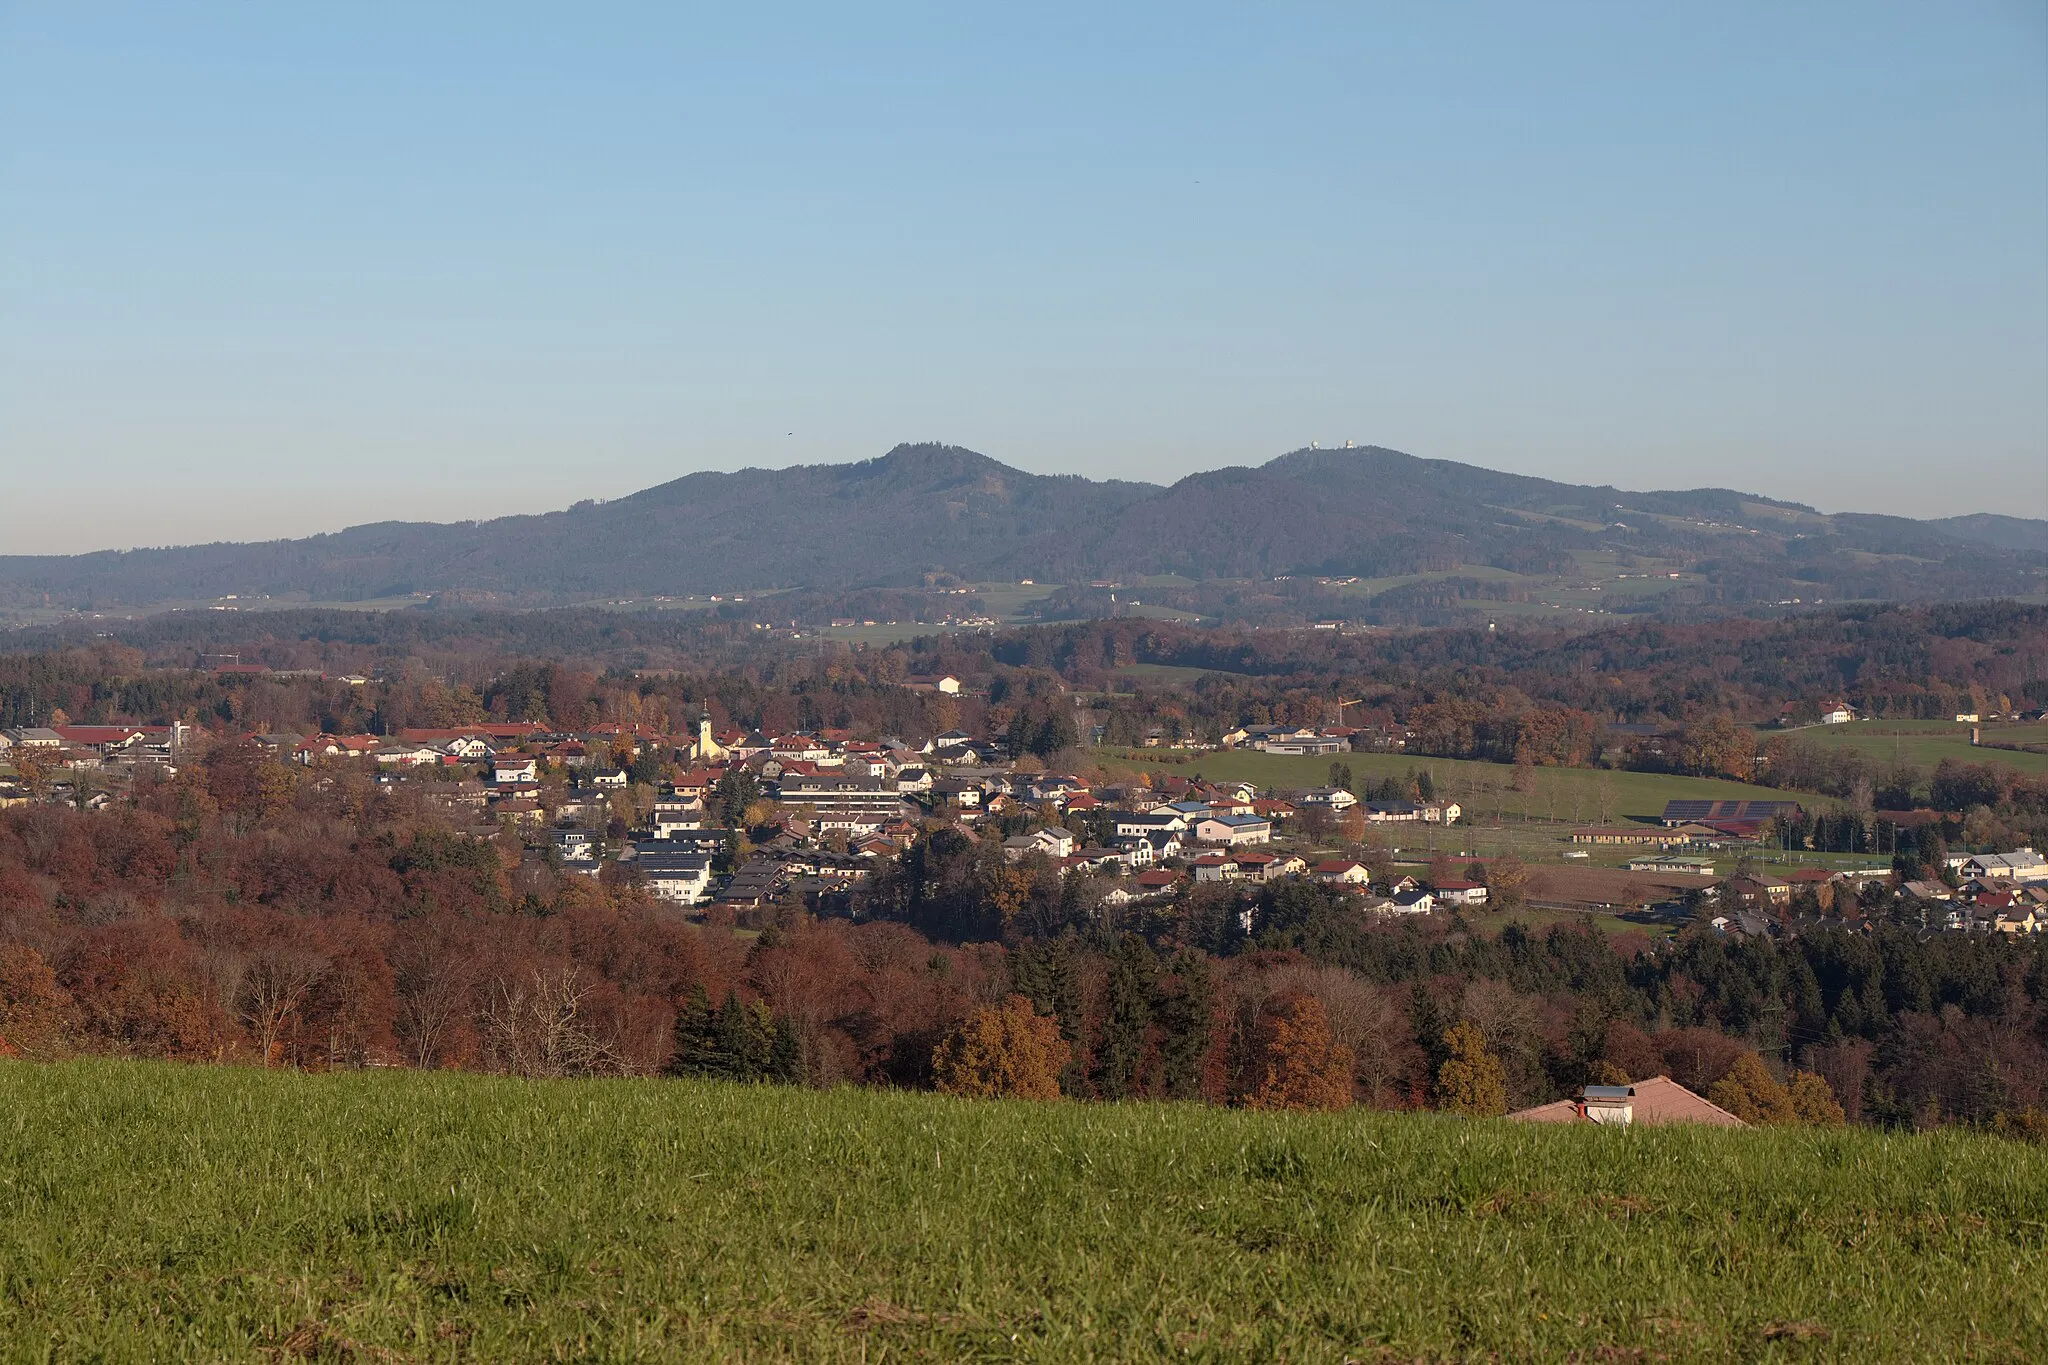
(243,912)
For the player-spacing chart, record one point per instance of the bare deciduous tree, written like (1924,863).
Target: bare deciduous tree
(274,982)
(531,1027)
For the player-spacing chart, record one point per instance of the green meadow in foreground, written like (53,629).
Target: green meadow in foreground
(157,1212)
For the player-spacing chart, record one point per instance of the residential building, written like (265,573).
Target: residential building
(1233,830)
(862,804)
(684,878)
(1757,893)
(1342,872)
(2021,865)
(1055,841)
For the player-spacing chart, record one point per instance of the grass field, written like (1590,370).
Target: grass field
(153,1212)
(1573,795)
(1926,743)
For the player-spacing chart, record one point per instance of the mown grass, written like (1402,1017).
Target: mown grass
(1574,795)
(156,1212)
(1925,743)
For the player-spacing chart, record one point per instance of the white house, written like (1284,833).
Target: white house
(510,769)
(1054,840)
(407,755)
(673,816)
(1132,826)
(684,878)
(1342,872)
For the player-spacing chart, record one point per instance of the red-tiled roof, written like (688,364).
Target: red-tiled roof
(104,734)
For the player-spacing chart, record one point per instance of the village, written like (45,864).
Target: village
(724,823)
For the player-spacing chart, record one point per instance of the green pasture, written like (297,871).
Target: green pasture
(1004,600)
(1560,795)
(1925,743)
(154,1212)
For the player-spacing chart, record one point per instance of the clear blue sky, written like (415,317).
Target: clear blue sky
(270,269)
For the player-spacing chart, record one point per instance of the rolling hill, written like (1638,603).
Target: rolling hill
(922,509)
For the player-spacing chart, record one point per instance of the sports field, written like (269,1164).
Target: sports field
(154,1212)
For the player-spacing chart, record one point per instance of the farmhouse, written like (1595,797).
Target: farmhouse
(1659,1100)
(1717,813)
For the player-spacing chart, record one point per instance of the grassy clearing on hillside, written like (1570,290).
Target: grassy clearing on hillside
(155,1212)
(1562,794)
(1926,743)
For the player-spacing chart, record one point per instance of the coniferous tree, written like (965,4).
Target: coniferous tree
(696,1037)
(1125,1033)
(1187,1023)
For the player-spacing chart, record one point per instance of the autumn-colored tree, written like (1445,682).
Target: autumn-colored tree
(32,1004)
(1717,748)
(1507,881)
(1813,1101)
(1752,1094)
(1605,1072)
(1002,1051)
(1471,1080)
(1302,1065)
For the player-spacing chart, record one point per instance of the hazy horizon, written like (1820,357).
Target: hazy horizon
(270,273)
(541,510)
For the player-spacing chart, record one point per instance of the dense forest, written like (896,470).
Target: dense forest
(246,911)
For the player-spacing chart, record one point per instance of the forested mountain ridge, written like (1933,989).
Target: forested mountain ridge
(923,509)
